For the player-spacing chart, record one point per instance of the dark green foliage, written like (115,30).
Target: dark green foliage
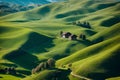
(3,71)
(33,71)
(61,33)
(39,67)
(46,65)
(82,36)
(84,24)
(59,74)
(8,70)
(51,62)
(62,74)
(12,70)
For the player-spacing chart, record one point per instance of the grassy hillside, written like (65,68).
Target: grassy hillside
(30,37)
(96,61)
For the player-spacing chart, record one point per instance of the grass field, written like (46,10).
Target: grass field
(30,37)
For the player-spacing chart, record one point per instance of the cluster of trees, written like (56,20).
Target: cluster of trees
(50,63)
(82,36)
(83,24)
(9,70)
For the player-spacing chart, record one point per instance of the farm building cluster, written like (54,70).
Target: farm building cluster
(71,36)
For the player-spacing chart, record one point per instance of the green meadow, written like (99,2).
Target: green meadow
(30,37)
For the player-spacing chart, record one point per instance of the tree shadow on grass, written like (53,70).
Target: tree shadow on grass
(111,21)
(85,42)
(100,39)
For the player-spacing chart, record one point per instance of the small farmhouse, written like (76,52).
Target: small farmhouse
(66,34)
(73,37)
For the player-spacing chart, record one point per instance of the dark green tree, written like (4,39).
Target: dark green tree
(51,63)
(46,65)
(84,37)
(33,71)
(61,33)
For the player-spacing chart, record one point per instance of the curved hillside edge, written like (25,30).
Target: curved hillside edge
(89,51)
(101,67)
(96,63)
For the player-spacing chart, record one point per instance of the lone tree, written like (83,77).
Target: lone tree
(84,37)
(70,65)
(46,65)
(51,63)
(61,33)
(33,71)
(80,36)
(88,25)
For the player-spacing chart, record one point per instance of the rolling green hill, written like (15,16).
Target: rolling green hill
(30,37)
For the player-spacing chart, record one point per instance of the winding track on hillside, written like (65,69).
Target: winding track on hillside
(80,77)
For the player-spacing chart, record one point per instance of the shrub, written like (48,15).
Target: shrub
(51,62)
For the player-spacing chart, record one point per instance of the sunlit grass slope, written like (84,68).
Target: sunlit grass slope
(34,36)
(104,35)
(99,61)
(8,77)
(114,78)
